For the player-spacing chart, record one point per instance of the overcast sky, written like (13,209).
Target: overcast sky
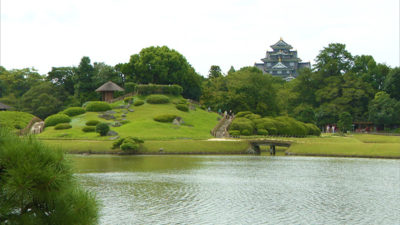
(53,33)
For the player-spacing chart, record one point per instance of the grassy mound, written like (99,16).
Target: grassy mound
(14,119)
(140,123)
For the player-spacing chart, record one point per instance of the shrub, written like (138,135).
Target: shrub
(56,119)
(313,129)
(74,111)
(92,122)
(97,106)
(242,124)
(102,129)
(157,99)
(89,129)
(242,114)
(234,133)
(128,143)
(262,132)
(246,132)
(128,100)
(165,118)
(138,103)
(252,116)
(124,122)
(182,107)
(62,126)
(147,89)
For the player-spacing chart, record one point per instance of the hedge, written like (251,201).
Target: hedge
(165,118)
(138,102)
(74,111)
(147,89)
(128,100)
(89,129)
(182,107)
(92,122)
(157,99)
(62,126)
(56,119)
(241,124)
(97,106)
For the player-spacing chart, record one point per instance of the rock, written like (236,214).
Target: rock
(113,138)
(251,151)
(107,116)
(161,150)
(131,110)
(176,122)
(110,112)
(116,124)
(112,133)
(123,115)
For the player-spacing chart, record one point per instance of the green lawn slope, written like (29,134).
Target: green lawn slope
(15,120)
(197,124)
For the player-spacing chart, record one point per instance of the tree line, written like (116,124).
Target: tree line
(340,85)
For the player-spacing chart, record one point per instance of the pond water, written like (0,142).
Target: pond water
(242,189)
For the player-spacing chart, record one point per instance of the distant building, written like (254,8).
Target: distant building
(107,90)
(282,61)
(4,107)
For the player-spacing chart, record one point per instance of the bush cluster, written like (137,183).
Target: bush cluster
(97,106)
(74,111)
(56,119)
(130,144)
(247,123)
(129,87)
(148,89)
(89,129)
(92,122)
(102,129)
(157,99)
(165,118)
(62,126)
(138,102)
(182,107)
(128,100)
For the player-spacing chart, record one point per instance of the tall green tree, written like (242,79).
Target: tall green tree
(384,110)
(345,122)
(392,83)
(83,81)
(62,77)
(334,60)
(214,72)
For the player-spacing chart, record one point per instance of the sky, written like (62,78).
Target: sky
(46,33)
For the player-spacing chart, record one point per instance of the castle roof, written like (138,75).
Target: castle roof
(279,65)
(109,86)
(281,44)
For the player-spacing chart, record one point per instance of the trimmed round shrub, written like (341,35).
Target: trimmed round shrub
(74,111)
(245,132)
(234,133)
(125,122)
(242,114)
(128,100)
(262,132)
(129,146)
(157,99)
(56,119)
(89,129)
(97,106)
(92,122)
(138,103)
(62,126)
(102,129)
(242,124)
(165,118)
(312,129)
(182,107)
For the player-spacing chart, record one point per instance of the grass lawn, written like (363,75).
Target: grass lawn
(153,146)
(198,124)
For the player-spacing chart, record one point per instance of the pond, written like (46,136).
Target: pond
(187,189)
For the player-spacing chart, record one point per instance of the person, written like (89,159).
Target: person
(327,129)
(208,109)
(225,114)
(219,111)
(333,129)
(230,113)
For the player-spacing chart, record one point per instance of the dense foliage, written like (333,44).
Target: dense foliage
(56,119)
(89,129)
(92,123)
(74,111)
(97,106)
(157,99)
(182,107)
(37,185)
(138,103)
(62,126)
(102,129)
(247,123)
(15,120)
(165,118)
(158,89)
(129,144)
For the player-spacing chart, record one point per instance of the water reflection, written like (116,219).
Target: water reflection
(243,189)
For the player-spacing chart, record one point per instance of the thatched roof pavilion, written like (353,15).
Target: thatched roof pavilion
(4,107)
(108,89)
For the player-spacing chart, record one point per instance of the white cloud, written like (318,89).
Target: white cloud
(45,33)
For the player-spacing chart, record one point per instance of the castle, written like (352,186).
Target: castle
(282,62)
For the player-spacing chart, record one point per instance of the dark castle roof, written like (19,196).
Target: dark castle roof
(109,86)
(281,44)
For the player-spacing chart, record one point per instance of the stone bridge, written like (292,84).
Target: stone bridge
(256,143)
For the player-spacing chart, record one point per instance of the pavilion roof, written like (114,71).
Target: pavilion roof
(281,44)
(109,86)
(4,106)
